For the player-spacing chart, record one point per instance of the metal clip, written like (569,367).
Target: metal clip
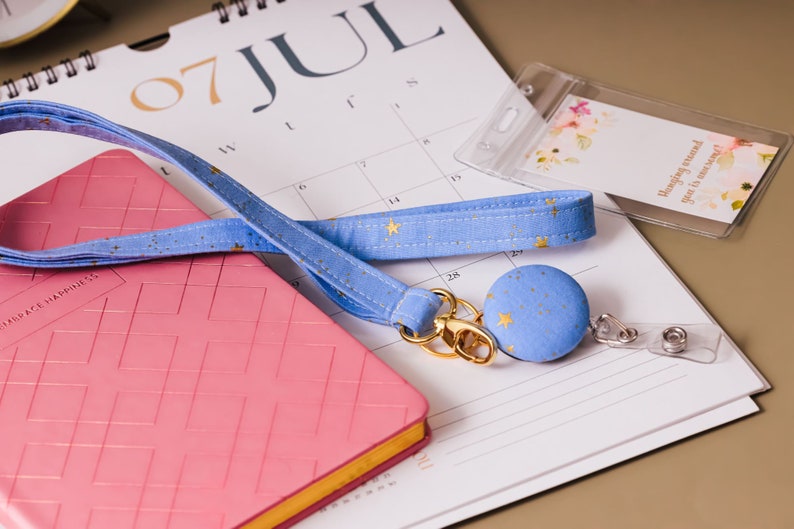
(694,342)
(601,327)
(464,338)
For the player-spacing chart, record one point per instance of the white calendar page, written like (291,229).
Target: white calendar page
(340,107)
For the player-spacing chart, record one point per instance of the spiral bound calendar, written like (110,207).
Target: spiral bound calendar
(334,108)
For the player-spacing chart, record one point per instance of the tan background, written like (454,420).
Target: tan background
(732,58)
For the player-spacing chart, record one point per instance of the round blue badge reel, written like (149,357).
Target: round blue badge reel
(536,313)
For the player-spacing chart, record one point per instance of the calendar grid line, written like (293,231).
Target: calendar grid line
(416,140)
(422,144)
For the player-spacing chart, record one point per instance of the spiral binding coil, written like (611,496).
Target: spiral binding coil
(30,82)
(239,5)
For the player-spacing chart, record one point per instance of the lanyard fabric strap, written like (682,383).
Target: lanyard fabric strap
(329,251)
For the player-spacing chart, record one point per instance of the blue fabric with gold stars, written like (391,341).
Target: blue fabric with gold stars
(529,221)
(535,220)
(536,313)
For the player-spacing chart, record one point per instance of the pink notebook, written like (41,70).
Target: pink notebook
(193,393)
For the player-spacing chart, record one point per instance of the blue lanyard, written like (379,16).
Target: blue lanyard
(330,252)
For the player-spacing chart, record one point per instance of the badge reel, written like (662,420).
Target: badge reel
(538,313)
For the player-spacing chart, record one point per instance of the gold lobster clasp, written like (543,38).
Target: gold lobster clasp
(465,338)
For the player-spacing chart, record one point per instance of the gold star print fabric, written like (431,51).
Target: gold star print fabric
(536,313)
(529,221)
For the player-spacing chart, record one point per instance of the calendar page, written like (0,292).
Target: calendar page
(332,108)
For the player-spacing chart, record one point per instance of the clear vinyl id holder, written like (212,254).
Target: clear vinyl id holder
(643,158)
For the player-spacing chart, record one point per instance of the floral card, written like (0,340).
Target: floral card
(597,146)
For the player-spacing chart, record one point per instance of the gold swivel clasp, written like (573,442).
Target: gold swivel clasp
(464,338)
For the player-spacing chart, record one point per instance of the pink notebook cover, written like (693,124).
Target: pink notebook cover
(189,393)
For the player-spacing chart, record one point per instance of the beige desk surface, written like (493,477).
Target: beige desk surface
(732,58)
